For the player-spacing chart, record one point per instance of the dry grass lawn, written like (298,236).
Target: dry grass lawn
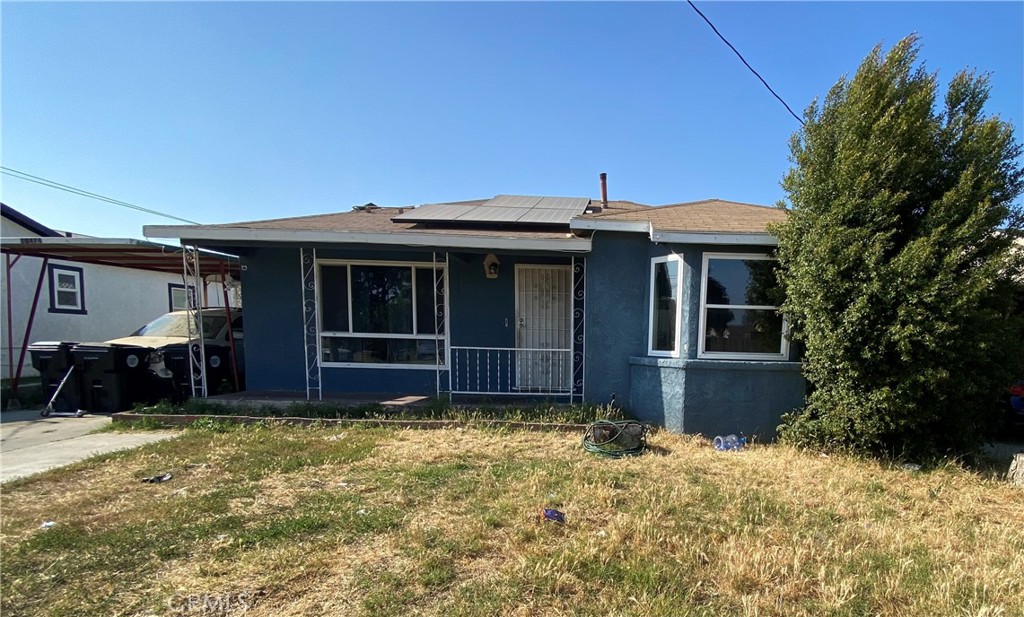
(283,521)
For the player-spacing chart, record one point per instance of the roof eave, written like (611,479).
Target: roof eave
(424,239)
(587,224)
(724,238)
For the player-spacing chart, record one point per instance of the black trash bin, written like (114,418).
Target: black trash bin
(53,360)
(177,360)
(113,377)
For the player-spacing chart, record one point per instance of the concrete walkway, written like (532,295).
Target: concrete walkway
(30,443)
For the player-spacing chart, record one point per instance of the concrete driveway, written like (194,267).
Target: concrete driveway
(30,443)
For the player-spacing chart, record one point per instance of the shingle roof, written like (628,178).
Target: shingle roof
(377,220)
(709,215)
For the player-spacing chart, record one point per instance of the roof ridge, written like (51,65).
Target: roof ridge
(714,199)
(305,217)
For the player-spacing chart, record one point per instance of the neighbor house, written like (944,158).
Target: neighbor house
(668,311)
(70,287)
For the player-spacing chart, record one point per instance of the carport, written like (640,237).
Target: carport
(197,268)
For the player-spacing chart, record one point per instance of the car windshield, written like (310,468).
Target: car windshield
(176,324)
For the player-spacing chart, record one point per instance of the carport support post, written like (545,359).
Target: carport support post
(28,326)
(196,338)
(231,333)
(10,323)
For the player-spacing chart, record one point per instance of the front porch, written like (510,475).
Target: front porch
(462,325)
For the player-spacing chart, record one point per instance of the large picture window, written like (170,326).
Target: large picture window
(381,313)
(67,291)
(665,305)
(740,299)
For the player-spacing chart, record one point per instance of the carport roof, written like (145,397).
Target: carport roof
(119,252)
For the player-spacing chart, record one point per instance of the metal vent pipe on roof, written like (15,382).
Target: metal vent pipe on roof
(604,190)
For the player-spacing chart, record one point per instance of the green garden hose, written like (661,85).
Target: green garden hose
(615,438)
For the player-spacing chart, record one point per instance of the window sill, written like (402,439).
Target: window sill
(662,354)
(743,357)
(715,364)
(68,311)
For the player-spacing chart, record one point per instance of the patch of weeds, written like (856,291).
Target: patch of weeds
(288,527)
(875,487)
(821,521)
(349,515)
(66,556)
(141,425)
(436,572)
(263,451)
(213,425)
(758,509)
(489,597)
(389,593)
(709,495)
(436,476)
(202,407)
(163,407)
(435,544)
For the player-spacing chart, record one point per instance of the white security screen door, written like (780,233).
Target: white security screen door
(544,328)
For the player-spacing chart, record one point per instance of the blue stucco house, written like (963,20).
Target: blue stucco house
(669,311)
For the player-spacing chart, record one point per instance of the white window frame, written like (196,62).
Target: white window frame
(704,306)
(321,333)
(188,290)
(677,347)
(54,274)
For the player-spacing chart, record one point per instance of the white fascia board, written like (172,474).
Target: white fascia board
(188,233)
(600,225)
(685,237)
(84,241)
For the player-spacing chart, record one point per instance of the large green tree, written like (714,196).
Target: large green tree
(897,260)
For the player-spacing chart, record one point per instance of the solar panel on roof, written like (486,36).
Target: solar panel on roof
(548,215)
(434,212)
(503,209)
(514,201)
(493,214)
(561,203)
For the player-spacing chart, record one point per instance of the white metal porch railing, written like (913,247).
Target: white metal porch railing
(510,371)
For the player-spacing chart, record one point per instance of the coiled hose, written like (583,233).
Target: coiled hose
(615,439)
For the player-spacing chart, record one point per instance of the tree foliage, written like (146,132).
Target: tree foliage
(897,260)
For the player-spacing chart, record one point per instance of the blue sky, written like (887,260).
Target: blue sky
(220,112)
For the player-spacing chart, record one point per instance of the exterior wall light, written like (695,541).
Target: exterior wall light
(491,264)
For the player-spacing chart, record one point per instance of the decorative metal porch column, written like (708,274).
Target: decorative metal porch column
(194,311)
(307,259)
(579,287)
(444,382)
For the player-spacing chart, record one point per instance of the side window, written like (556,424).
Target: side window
(665,306)
(178,298)
(67,289)
(740,315)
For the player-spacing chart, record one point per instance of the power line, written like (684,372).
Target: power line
(747,64)
(14,173)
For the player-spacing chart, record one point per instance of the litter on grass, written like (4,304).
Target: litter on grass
(550,514)
(729,442)
(158,479)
